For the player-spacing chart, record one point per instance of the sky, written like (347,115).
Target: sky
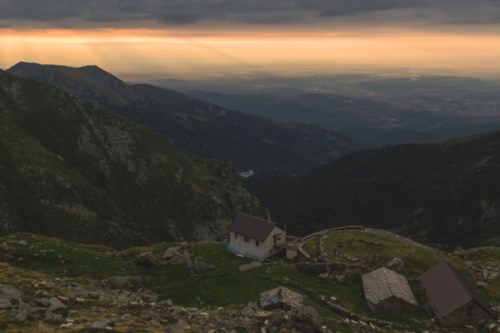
(212,38)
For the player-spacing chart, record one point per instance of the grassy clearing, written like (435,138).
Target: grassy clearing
(374,251)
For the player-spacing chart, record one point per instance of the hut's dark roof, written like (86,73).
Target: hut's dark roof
(251,226)
(447,290)
(383,283)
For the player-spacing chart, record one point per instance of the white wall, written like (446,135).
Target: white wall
(250,249)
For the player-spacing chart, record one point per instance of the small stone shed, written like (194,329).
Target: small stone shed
(282,298)
(388,291)
(451,297)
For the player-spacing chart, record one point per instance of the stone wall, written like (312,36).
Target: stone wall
(391,305)
(460,316)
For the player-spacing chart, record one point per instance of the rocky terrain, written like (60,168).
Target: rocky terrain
(49,285)
(83,173)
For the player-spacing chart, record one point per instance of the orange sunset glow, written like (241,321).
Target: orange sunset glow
(187,54)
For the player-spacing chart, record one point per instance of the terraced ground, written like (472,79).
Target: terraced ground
(27,259)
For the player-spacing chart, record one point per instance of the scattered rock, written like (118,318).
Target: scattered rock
(145,260)
(57,307)
(306,319)
(93,295)
(180,327)
(43,302)
(21,316)
(481,284)
(280,297)
(247,267)
(172,253)
(340,278)
(121,282)
(10,293)
(196,267)
(396,264)
(167,302)
(102,324)
(5,304)
(37,310)
(146,316)
(149,298)
(250,309)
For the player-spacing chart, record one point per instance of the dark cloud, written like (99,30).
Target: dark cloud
(328,8)
(150,13)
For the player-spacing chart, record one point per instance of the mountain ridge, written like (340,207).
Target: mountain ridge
(83,173)
(440,193)
(199,127)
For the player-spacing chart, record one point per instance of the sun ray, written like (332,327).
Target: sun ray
(162,52)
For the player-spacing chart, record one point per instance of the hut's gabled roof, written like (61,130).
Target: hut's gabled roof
(384,283)
(447,290)
(251,226)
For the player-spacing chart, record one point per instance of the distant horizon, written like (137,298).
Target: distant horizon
(203,39)
(207,75)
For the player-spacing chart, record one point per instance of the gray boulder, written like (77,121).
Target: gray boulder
(148,297)
(5,304)
(180,327)
(306,319)
(396,264)
(10,293)
(250,309)
(43,302)
(57,307)
(54,317)
(37,310)
(121,282)
(172,253)
(145,260)
(21,316)
(197,267)
(102,324)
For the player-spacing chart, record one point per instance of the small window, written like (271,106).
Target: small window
(246,239)
(257,243)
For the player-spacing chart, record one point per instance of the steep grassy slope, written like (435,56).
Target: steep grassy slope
(208,130)
(443,192)
(83,173)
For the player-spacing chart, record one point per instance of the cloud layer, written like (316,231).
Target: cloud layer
(173,13)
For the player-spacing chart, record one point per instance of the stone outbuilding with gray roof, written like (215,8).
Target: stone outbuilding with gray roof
(254,237)
(388,291)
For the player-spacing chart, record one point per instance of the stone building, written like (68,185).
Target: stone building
(451,298)
(255,238)
(388,291)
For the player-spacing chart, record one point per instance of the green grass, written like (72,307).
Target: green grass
(484,257)
(375,251)
(225,285)
(59,258)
